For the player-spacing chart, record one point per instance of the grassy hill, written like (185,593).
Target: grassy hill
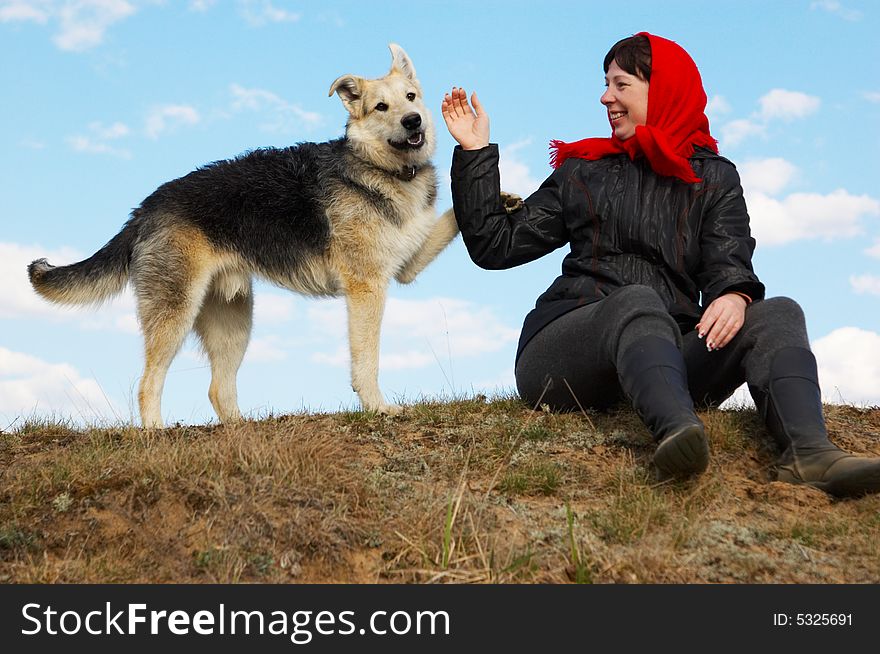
(474,490)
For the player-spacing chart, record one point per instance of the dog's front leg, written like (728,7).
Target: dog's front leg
(366,304)
(445,229)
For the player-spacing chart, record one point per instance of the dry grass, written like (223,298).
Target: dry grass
(471,491)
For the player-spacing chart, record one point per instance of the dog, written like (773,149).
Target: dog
(341,217)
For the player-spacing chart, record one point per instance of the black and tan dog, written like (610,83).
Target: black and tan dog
(323,219)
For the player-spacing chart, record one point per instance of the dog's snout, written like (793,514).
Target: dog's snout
(411,121)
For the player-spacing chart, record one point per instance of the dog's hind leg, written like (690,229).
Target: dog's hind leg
(224,327)
(165,325)
(445,229)
(366,304)
(171,275)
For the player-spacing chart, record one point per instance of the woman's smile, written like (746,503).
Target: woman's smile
(626,100)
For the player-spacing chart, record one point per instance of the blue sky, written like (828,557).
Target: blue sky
(106,99)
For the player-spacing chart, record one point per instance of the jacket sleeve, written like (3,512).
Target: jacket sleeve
(726,243)
(495,239)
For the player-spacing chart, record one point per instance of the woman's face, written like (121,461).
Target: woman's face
(626,99)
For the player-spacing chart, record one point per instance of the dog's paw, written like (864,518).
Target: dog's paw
(511,201)
(390,410)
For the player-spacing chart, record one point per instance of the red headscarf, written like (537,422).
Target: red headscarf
(676,120)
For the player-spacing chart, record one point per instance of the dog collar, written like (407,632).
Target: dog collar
(407,173)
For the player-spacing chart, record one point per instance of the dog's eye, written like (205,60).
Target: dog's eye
(410,96)
(381,107)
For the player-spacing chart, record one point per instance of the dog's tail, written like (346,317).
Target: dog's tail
(101,276)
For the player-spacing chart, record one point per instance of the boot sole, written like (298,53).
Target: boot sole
(683,453)
(856,484)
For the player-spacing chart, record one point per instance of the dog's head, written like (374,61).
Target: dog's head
(388,122)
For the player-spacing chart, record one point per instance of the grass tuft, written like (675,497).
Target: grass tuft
(464,489)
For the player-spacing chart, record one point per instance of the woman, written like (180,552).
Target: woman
(656,221)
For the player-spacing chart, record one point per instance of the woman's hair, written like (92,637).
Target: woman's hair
(633,54)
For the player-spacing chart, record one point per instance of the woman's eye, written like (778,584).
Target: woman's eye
(381,107)
(410,96)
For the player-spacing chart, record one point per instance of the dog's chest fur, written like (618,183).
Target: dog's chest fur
(376,224)
(413,218)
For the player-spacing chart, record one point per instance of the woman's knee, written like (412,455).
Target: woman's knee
(634,303)
(775,323)
(639,311)
(777,309)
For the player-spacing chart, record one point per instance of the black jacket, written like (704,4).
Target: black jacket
(626,225)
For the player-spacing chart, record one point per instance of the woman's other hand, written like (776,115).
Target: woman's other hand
(469,126)
(722,320)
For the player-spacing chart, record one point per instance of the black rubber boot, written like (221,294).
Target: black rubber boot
(791,407)
(652,373)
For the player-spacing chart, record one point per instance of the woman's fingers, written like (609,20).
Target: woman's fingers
(731,329)
(461,102)
(716,337)
(469,128)
(706,322)
(447,108)
(720,329)
(478,108)
(456,104)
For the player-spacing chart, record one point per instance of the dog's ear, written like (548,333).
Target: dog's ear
(350,89)
(400,61)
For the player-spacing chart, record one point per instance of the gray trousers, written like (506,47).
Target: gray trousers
(577,355)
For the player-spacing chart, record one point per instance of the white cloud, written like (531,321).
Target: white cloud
(407,360)
(834,7)
(30,387)
(797,216)
(717,106)
(515,174)
(869,284)
(464,328)
(417,333)
(260,12)
(80,143)
(97,140)
(168,117)
(502,382)
(337,358)
(84,22)
(24,10)
(331,17)
(776,104)
(32,144)
(787,105)
(849,369)
(872,96)
(109,132)
(201,5)
(767,176)
(874,250)
(808,215)
(284,117)
(849,366)
(18,299)
(272,308)
(266,349)
(736,131)
(740,399)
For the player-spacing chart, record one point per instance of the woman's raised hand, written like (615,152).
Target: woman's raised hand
(469,126)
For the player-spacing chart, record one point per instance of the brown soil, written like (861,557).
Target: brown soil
(469,491)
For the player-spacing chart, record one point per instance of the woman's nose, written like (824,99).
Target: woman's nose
(607,97)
